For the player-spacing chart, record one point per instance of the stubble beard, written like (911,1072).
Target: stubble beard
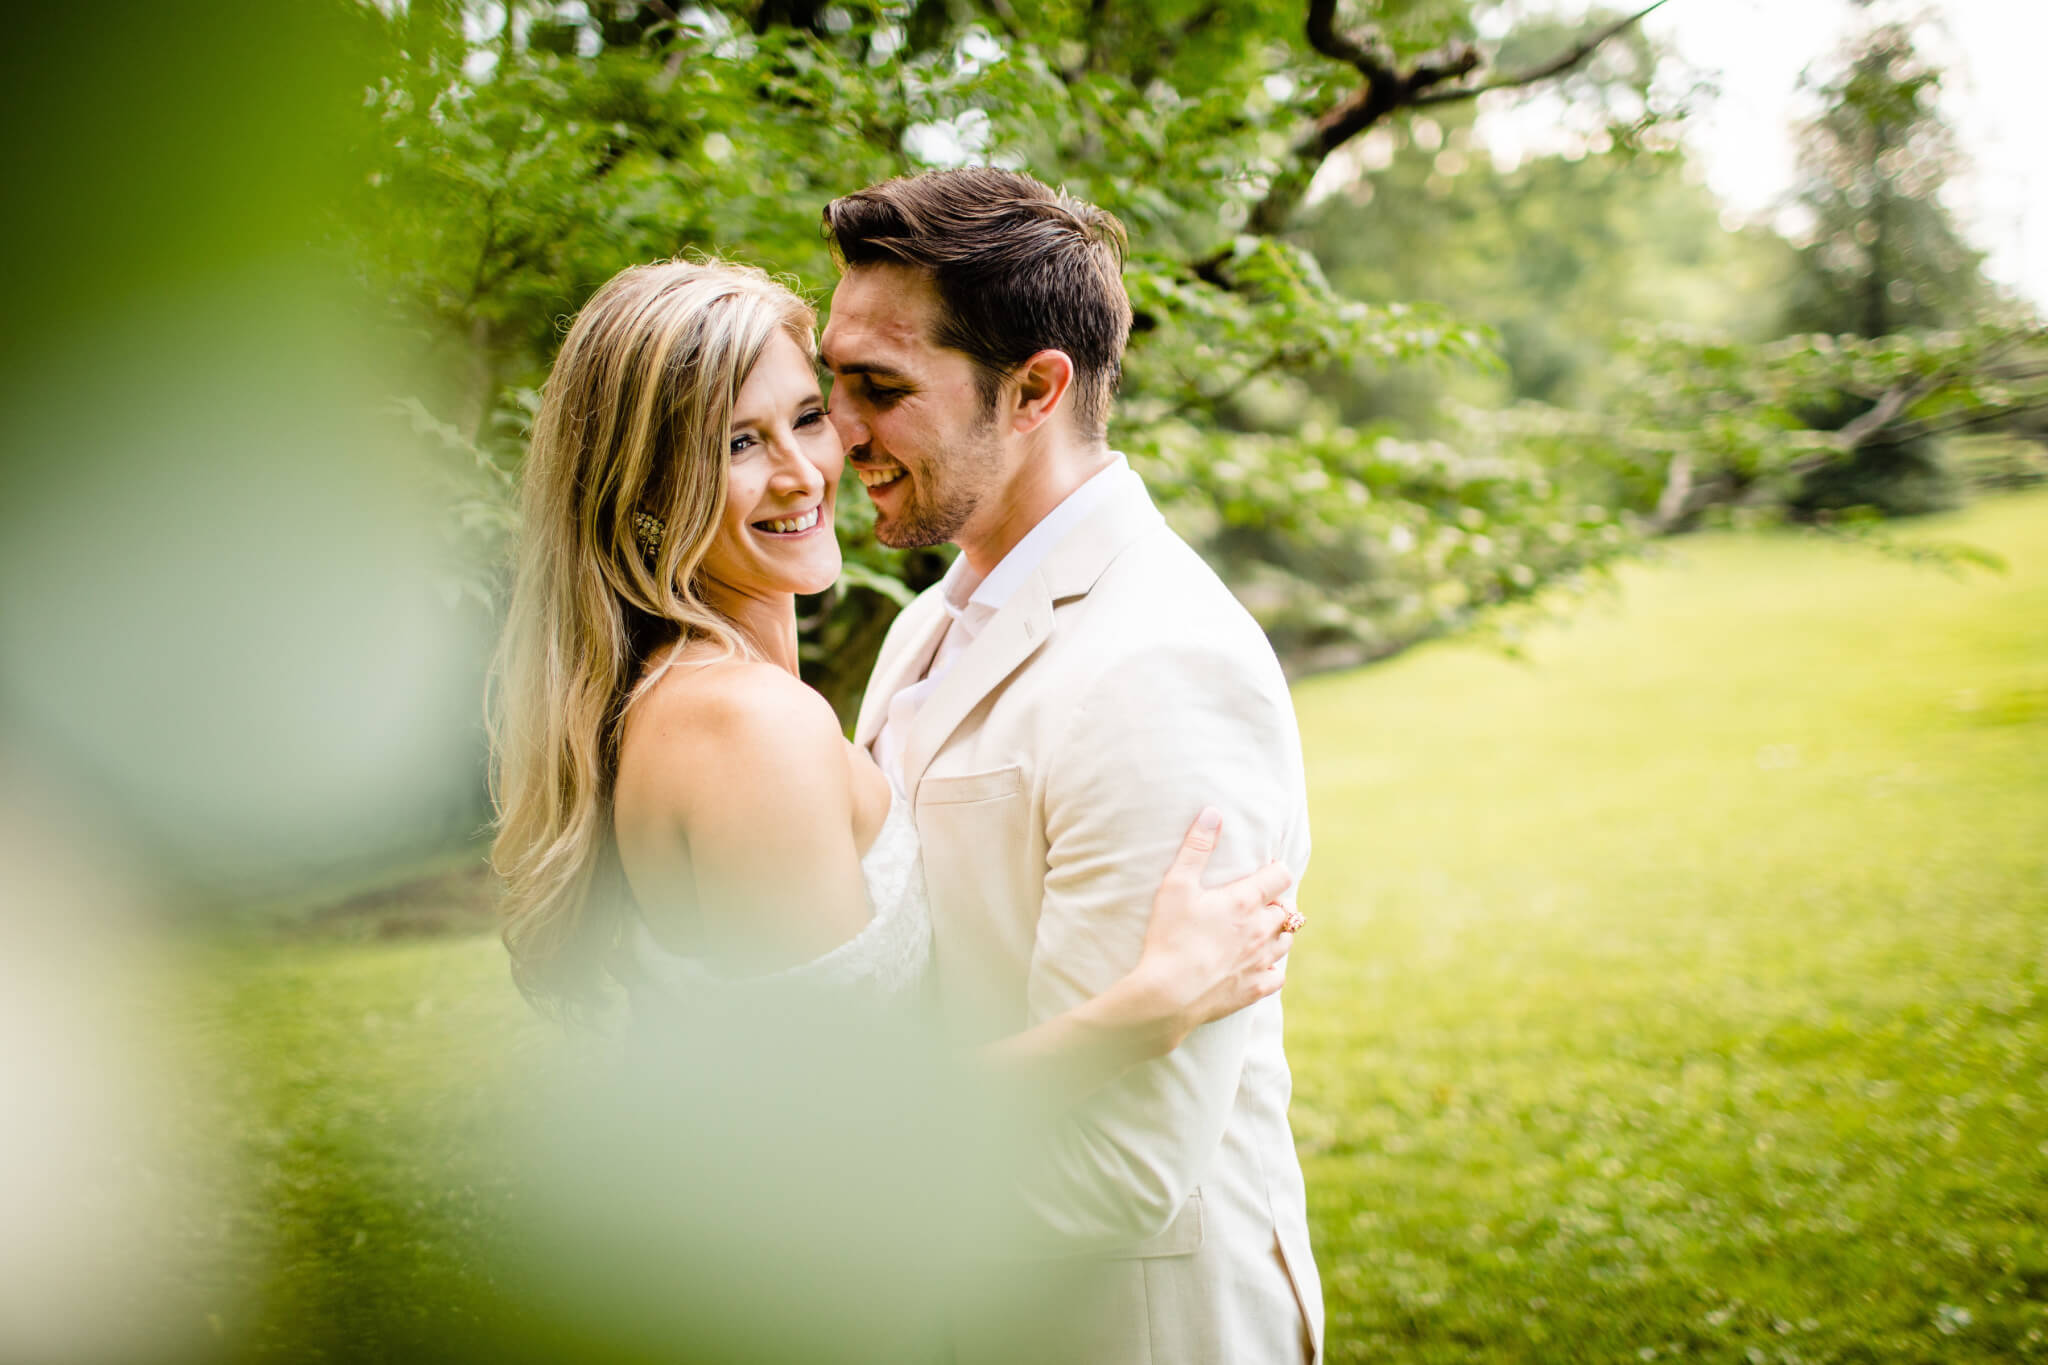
(946,502)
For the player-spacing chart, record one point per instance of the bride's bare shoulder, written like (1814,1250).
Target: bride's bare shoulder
(719,729)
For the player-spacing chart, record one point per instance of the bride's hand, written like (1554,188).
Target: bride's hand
(1210,951)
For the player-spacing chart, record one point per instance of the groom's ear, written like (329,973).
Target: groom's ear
(1042,381)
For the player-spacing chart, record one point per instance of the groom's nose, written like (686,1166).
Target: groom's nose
(853,431)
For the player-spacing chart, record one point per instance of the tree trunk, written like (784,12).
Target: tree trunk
(1876,285)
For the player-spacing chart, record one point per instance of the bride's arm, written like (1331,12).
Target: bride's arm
(1209,952)
(744,767)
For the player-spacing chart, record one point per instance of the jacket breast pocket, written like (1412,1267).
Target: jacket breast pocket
(969,788)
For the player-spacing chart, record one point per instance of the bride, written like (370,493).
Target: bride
(675,808)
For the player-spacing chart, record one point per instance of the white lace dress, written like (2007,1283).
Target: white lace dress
(887,961)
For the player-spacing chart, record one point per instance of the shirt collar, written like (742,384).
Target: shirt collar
(960,591)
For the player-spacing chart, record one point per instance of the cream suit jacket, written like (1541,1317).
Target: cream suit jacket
(1053,773)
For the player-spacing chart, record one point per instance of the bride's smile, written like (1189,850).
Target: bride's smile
(800,524)
(783,460)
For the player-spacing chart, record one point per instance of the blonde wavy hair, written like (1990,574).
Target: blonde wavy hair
(633,425)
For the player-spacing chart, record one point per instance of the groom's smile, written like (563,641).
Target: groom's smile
(908,409)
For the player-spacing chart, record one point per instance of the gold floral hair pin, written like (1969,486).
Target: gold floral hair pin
(647,529)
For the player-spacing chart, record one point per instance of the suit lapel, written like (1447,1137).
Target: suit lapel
(904,657)
(1012,635)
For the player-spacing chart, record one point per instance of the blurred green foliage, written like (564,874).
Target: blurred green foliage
(1897,339)
(1704,427)
(522,159)
(216,553)
(1559,254)
(1383,382)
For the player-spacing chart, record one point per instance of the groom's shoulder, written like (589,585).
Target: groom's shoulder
(1162,581)
(1161,599)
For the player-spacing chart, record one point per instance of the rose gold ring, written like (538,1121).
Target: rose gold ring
(1292,924)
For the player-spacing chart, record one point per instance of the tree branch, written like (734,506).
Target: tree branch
(1894,402)
(1887,408)
(2018,374)
(1543,71)
(1385,90)
(1678,486)
(1962,421)
(1368,54)
(1196,399)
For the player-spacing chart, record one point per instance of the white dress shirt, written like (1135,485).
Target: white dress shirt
(972,603)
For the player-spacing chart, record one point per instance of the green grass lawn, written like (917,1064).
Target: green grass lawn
(1680,991)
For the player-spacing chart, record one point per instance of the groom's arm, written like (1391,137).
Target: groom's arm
(1168,730)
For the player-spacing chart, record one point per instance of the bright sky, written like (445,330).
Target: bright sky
(1754,52)
(1994,95)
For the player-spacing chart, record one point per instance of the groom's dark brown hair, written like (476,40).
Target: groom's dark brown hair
(1018,266)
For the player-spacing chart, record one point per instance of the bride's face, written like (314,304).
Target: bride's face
(782,478)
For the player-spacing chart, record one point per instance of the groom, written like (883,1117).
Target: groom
(1057,711)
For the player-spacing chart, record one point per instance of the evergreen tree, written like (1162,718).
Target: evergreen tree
(1885,253)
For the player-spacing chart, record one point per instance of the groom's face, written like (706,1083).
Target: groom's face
(916,431)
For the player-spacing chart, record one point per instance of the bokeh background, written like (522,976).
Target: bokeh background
(1638,463)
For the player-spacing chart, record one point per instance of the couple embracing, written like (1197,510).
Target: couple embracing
(1062,741)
